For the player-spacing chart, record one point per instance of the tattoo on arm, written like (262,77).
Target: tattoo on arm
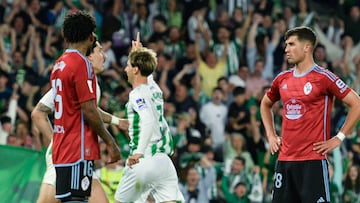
(44,108)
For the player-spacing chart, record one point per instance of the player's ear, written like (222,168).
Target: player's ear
(308,47)
(136,70)
(92,38)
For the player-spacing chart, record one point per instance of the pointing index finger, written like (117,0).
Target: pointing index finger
(138,37)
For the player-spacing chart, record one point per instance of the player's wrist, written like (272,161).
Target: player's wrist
(138,152)
(114,120)
(270,135)
(341,136)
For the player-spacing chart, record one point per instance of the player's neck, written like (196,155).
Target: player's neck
(78,46)
(304,66)
(140,80)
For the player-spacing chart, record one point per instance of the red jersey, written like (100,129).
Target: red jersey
(73,81)
(307,101)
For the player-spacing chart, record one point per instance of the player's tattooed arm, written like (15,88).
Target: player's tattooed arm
(44,108)
(41,120)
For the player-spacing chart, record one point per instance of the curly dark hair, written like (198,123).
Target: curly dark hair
(78,26)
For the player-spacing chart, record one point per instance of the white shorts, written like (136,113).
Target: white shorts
(50,173)
(155,175)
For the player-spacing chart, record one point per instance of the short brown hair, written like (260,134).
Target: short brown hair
(145,59)
(303,33)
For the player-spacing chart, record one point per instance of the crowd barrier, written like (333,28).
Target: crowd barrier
(21,172)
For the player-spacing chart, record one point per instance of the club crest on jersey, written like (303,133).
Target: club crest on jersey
(141,103)
(85,183)
(307,88)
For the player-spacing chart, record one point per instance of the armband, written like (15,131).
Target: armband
(341,136)
(115,120)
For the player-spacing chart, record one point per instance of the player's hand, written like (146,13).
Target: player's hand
(324,147)
(136,43)
(134,159)
(275,143)
(114,153)
(123,124)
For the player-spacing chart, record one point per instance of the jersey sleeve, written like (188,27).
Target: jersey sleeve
(48,99)
(338,87)
(85,81)
(142,106)
(273,93)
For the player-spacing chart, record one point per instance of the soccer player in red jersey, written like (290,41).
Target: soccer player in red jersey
(40,119)
(77,123)
(307,92)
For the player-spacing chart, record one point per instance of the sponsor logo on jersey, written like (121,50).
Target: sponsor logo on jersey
(294,109)
(87,152)
(307,88)
(341,85)
(59,129)
(141,103)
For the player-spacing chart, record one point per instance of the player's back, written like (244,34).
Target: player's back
(166,143)
(73,82)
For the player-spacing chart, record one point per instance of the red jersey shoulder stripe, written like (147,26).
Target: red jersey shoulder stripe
(88,66)
(284,72)
(325,72)
(87,62)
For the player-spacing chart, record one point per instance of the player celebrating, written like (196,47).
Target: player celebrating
(149,169)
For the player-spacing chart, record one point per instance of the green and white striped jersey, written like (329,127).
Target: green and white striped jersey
(148,130)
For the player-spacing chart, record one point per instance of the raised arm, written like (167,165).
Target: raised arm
(30,53)
(4,57)
(39,55)
(48,40)
(163,80)
(242,34)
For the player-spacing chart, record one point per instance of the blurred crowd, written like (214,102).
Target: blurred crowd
(216,60)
